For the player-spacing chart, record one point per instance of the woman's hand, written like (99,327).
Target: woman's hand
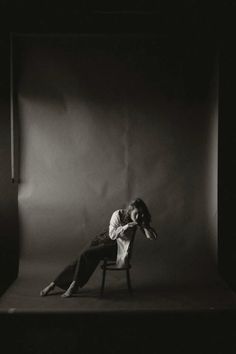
(132,224)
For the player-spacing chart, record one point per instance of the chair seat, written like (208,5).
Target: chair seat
(113,266)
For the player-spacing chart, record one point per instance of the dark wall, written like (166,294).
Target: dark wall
(105,119)
(9,252)
(227,160)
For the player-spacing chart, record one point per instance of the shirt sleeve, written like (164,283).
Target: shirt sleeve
(115,227)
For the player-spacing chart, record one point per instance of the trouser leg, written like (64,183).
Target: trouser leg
(89,261)
(64,278)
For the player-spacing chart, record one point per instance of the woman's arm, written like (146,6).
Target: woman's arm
(116,229)
(149,232)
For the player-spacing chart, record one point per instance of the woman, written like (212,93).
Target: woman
(113,244)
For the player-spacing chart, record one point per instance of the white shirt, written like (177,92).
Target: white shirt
(123,236)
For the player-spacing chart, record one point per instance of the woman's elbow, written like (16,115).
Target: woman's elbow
(152,237)
(156,236)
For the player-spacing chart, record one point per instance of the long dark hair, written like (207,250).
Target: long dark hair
(145,216)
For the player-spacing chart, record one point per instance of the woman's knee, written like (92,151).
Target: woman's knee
(91,253)
(86,254)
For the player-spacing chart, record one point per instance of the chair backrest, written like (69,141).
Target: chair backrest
(130,249)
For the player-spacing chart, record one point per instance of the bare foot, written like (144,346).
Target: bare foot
(46,290)
(71,290)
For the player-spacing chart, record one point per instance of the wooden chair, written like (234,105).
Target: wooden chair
(109,265)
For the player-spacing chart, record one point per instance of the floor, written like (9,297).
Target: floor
(196,319)
(23,296)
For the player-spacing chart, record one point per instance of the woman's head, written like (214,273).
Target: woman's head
(139,212)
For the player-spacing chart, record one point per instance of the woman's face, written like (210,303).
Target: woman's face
(134,214)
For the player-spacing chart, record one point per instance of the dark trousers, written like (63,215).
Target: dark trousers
(83,267)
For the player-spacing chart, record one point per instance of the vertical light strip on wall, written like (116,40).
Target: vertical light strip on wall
(12,113)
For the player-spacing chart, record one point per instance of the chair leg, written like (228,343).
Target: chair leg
(129,282)
(103,281)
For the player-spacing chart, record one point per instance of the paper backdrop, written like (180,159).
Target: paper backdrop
(104,120)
